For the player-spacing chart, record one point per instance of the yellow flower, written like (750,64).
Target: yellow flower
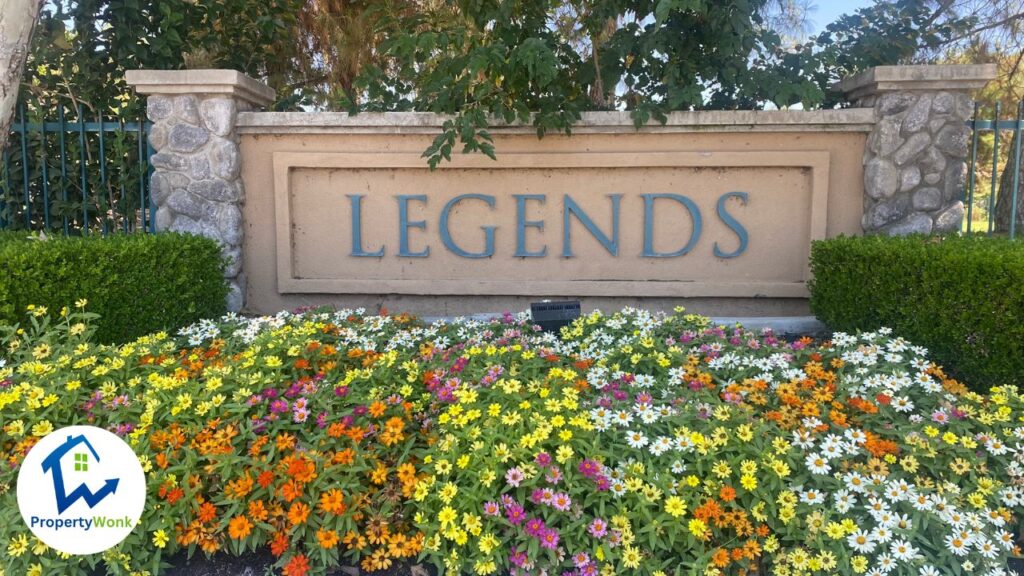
(448,493)
(631,558)
(42,428)
(160,539)
(18,546)
(488,542)
(675,506)
(748,482)
(697,527)
(721,469)
(447,515)
(859,564)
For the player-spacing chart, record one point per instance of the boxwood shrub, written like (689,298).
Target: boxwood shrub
(962,297)
(138,283)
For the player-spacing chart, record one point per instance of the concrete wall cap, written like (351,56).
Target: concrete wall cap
(224,82)
(845,120)
(946,77)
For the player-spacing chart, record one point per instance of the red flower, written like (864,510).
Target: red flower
(297,566)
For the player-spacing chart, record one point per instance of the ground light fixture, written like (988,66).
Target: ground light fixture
(552,315)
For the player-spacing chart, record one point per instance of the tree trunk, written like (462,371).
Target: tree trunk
(17,20)
(1004,201)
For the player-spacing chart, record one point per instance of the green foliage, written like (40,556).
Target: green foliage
(962,297)
(139,283)
(53,168)
(882,34)
(547,62)
(81,49)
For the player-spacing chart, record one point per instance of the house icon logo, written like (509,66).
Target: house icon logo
(81,490)
(51,465)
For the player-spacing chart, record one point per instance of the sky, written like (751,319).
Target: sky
(829,10)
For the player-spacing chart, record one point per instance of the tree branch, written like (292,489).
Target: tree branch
(1002,22)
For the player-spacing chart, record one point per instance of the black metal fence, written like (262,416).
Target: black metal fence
(994,176)
(76,177)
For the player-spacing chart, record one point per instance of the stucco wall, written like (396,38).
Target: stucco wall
(802,173)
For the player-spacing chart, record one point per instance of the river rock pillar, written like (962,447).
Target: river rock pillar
(915,159)
(196,183)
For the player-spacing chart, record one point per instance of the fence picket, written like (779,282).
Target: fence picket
(63,167)
(24,166)
(1016,171)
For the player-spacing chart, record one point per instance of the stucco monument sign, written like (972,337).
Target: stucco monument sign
(717,208)
(608,224)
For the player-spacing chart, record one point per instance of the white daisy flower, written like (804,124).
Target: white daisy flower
(903,550)
(636,439)
(861,542)
(817,464)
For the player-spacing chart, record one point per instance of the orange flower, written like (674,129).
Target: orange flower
(239,527)
(298,513)
(377,409)
(327,538)
(302,470)
(257,510)
(285,442)
(266,478)
(290,491)
(727,494)
(380,474)
(335,430)
(332,501)
(346,456)
(240,487)
(720,558)
(175,495)
(207,512)
(297,566)
(377,561)
(279,544)
(406,473)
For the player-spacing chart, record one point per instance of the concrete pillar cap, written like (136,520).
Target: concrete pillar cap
(230,83)
(933,78)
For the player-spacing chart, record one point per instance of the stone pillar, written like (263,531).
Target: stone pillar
(915,160)
(196,183)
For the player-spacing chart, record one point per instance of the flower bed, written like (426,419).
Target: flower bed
(633,444)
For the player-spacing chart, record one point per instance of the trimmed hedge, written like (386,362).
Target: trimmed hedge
(962,297)
(138,283)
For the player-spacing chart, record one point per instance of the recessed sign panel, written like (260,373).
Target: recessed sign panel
(631,224)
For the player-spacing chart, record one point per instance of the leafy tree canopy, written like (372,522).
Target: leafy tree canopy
(543,62)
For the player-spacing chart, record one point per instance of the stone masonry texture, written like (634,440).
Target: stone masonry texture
(196,181)
(915,162)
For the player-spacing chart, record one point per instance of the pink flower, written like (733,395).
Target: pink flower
(514,476)
(598,528)
(491,508)
(580,559)
(590,468)
(549,539)
(535,527)
(515,514)
(543,459)
(554,475)
(561,501)
(517,558)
